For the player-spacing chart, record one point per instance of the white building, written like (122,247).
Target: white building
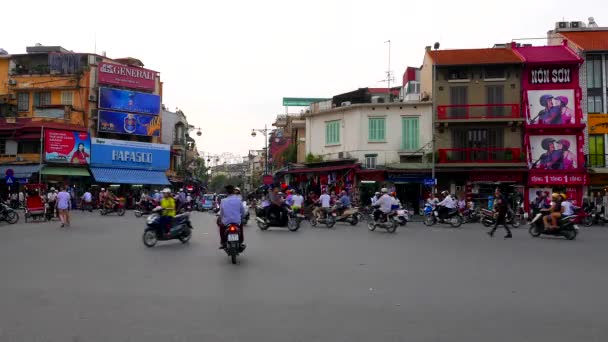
(374,133)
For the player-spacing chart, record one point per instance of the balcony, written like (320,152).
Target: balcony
(596,160)
(481,155)
(497,112)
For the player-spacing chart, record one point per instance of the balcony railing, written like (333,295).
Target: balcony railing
(478,111)
(480,155)
(596,160)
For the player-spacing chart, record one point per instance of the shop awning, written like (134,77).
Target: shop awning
(322,169)
(129,176)
(66,171)
(20,171)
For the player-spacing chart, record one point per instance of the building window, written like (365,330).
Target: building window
(495,95)
(459,96)
(370,161)
(377,129)
(2,146)
(67,98)
(596,150)
(332,132)
(23,102)
(594,104)
(594,71)
(494,73)
(410,134)
(477,138)
(28,147)
(42,98)
(458,74)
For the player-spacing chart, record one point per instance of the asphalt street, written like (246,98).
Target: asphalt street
(96,281)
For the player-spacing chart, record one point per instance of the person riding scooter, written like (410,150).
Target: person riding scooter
(168,205)
(384,204)
(231,212)
(555,212)
(445,206)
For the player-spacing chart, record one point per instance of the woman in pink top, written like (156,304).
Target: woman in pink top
(63,206)
(567,156)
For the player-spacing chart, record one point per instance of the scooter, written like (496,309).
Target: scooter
(385,221)
(286,218)
(118,208)
(181,228)
(350,215)
(8,214)
(452,218)
(144,208)
(401,216)
(488,218)
(233,245)
(328,218)
(567,228)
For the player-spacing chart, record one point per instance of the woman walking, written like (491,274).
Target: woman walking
(63,206)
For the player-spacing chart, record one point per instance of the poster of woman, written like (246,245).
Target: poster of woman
(556,152)
(67,147)
(551,107)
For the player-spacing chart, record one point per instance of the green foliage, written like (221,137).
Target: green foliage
(218,183)
(290,154)
(311,158)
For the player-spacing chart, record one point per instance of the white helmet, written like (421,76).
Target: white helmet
(384,190)
(52,189)
(102,189)
(166,191)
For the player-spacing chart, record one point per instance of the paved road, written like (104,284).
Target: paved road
(97,282)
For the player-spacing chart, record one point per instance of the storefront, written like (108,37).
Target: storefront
(409,186)
(323,176)
(482,185)
(554,135)
(129,163)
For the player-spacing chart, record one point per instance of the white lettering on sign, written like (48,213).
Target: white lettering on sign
(544,76)
(126,71)
(131,156)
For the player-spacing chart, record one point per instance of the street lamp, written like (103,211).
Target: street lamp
(434,112)
(264,131)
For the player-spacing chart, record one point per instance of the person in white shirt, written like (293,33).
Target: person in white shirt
(297,199)
(325,201)
(567,207)
(51,198)
(87,199)
(375,197)
(384,204)
(446,205)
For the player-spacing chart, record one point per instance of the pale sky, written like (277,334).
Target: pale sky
(228,64)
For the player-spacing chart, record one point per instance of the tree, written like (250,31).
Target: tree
(200,170)
(218,183)
(311,158)
(290,154)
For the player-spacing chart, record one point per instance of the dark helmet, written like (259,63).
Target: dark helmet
(546,142)
(565,144)
(544,99)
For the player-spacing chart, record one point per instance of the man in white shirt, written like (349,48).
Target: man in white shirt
(384,204)
(567,208)
(297,199)
(446,205)
(87,199)
(375,198)
(325,201)
(51,198)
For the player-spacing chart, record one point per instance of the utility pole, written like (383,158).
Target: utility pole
(434,113)
(389,73)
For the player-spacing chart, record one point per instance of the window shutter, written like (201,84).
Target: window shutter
(381,129)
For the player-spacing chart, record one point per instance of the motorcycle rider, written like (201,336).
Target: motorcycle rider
(231,212)
(297,200)
(567,206)
(375,198)
(276,203)
(325,202)
(555,212)
(168,205)
(384,204)
(445,206)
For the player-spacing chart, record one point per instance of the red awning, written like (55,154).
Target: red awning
(323,168)
(371,175)
(29,136)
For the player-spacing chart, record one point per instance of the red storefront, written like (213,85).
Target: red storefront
(554,137)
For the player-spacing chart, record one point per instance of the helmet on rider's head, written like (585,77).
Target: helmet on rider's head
(445,193)
(555,196)
(384,190)
(563,195)
(377,193)
(166,191)
(237,190)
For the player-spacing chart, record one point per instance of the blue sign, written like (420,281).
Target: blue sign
(129,101)
(9,180)
(430,181)
(128,123)
(129,154)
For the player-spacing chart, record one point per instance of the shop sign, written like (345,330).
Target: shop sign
(126,76)
(129,101)
(67,147)
(128,123)
(598,123)
(497,178)
(129,154)
(577,179)
(554,152)
(550,76)
(552,107)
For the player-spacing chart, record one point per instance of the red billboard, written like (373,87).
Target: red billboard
(67,147)
(126,76)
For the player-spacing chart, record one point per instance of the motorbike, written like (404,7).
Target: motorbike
(287,218)
(8,214)
(401,216)
(145,208)
(117,208)
(566,228)
(181,229)
(488,218)
(582,217)
(385,221)
(245,218)
(452,217)
(328,218)
(233,246)
(350,215)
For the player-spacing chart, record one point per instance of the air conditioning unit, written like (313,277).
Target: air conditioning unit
(340,155)
(93,97)
(577,24)
(12,82)
(562,25)
(345,103)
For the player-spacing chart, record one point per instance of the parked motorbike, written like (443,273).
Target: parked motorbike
(233,246)
(452,218)
(488,218)
(349,215)
(8,214)
(117,208)
(328,218)
(566,228)
(181,229)
(385,221)
(286,218)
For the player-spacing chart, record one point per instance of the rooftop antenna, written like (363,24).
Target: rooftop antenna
(95,43)
(389,74)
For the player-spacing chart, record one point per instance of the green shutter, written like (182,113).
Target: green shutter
(410,134)
(381,129)
(377,129)
(332,132)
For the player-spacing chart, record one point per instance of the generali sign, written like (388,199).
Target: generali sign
(126,76)
(577,179)
(550,76)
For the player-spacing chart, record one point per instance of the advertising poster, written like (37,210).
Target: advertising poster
(551,107)
(130,154)
(555,152)
(67,147)
(126,76)
(571,192)
(129,101)
(128,123)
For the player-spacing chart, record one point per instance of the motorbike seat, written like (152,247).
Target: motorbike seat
(180,218)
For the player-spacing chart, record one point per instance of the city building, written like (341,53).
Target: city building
(590,42)
(175,130)
(478,119)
